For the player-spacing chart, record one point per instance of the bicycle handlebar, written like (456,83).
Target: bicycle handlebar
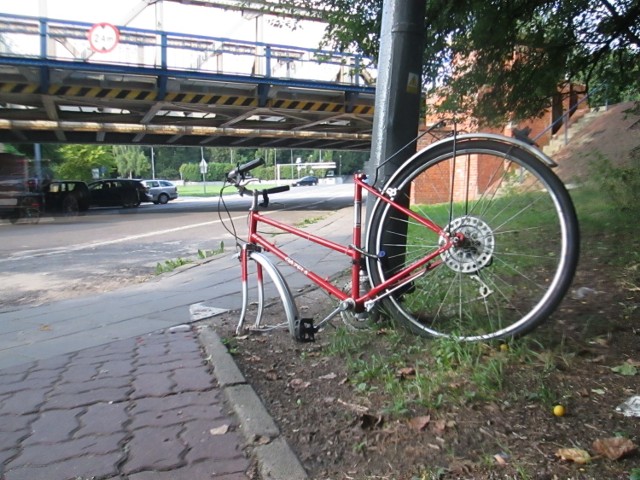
(283,188)
(242,169)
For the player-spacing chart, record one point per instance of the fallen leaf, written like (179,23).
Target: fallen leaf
(261,440)
(298,384)
(614,447)
(221,430)
(625,369)
(44,328)
(328,376)
(272,375)
(440,426)
(353,406)
(406,372)
(420,423)
(576,455)
(500,458)
(599,391)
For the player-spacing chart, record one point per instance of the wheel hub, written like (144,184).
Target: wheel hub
(475,247)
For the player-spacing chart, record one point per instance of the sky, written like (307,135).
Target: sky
(177,17)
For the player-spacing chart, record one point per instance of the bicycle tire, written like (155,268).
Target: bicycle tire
(520,248)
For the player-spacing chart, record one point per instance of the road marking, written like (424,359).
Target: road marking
(75,248)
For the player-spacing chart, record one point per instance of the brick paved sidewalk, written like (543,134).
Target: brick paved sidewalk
(139,409)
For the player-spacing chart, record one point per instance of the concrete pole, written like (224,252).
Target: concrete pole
(395,124)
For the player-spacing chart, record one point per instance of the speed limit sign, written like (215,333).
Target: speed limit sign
(103,37)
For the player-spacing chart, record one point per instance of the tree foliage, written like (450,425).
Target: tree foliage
(501,59)
(78,161)
(131,161)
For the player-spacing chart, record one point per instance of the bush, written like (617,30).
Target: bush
(621,184)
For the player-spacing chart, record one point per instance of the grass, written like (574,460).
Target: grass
(214,190)
(414,372)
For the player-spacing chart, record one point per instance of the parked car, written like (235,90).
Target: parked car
(118,192)
(68,197)
(308,180)
(161,191)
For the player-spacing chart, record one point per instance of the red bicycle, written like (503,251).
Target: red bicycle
(473,238)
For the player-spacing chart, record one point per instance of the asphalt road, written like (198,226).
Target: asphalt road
(110,247)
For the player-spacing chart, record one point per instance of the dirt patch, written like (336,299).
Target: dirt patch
(613,134)
(341,431)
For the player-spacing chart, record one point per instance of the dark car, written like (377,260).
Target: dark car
(115,192)
(68,197)
(308,180)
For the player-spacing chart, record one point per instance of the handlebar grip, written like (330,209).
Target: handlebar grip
(241,169)
(283,188)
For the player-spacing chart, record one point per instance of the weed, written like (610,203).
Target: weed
(308,221)
(621,184)
(202,254)
(171,265)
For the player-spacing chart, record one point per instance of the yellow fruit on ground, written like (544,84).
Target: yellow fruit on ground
(559,411)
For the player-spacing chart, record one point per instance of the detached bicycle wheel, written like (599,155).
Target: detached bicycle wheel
(516,232)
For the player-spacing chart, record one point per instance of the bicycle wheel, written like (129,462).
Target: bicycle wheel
(518,240)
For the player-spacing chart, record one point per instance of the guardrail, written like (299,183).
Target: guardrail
(36,41)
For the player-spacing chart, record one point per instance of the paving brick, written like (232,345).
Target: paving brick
(70,399)
(154,448)
(151,351)
(186,399)
(115,368)
(78,373)
(84,467)
(102,419)
(206,446)
(28,384)
(224,470)
(24,401)
(123,383)
(54,426)
(174,416)
(112,350)
(53,363)
(192,379)
(12,378)
(38,455)
(5,455)
(170,366)
(152,384)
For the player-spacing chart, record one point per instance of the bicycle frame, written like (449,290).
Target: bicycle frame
(354,299)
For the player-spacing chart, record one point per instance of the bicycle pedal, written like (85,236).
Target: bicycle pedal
(305,330)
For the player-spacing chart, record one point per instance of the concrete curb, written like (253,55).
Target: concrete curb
(276,460)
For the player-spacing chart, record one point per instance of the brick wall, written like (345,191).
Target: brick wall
(477,175)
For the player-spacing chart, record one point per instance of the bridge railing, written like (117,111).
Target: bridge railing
(67,41)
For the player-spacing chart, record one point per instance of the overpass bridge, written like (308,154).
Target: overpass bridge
(74,82)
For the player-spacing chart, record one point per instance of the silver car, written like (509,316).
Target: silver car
(160,191)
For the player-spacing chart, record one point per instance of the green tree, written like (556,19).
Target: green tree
(78,161)
(131,161)
(501,59)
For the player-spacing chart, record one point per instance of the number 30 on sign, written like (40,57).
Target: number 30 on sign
(103,37)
